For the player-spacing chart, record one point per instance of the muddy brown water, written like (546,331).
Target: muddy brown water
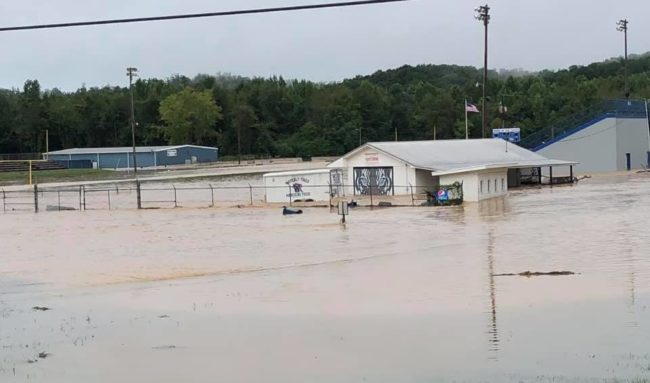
(400,294)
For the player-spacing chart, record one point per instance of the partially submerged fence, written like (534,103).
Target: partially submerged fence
(163,196)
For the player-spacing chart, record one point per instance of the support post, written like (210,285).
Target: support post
(571,173)
(109,199)
(550,169)
(80,198)
(35,197)
(30,172)
(4,205)
(83,188)
(539,173)
(138,195)
(371,202)
(250,191)
(211,195)
(412,197)
(58,199)
(175,199)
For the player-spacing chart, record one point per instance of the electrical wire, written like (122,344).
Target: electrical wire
(199,15)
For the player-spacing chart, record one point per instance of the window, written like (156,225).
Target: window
(481,186)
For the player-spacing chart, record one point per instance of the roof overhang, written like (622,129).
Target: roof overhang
(512,165)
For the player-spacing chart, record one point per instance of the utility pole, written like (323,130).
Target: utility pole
(483,14)
(621,26)
(132,72)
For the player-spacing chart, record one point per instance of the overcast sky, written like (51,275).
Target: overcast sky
(325,45)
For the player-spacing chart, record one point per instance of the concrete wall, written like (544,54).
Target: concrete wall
(479,186)
(632,137)
(594,148)
(601,147)
(312,186)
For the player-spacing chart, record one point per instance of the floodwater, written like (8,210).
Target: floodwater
(399,294)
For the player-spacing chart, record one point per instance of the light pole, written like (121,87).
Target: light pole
(621,26)
(483,14)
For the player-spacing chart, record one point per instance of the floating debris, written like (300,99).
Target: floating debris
(41,308)
(43,355)
(536,274)
(290,211)
(163,316)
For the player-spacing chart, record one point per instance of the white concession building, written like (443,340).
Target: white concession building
(485,167)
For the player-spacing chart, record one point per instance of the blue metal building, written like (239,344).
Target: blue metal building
(146,156)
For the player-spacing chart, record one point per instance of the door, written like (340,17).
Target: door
(374,180)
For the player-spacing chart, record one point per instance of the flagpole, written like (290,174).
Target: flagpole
(466,124)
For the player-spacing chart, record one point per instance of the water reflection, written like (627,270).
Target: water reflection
(493,330)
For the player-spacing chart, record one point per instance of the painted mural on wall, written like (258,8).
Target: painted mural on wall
(378,180)
(296,186)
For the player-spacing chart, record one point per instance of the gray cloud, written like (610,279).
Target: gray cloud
(324,45)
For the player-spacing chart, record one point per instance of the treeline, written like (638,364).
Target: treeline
(276,117)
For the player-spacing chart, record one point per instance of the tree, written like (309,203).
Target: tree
(190,116)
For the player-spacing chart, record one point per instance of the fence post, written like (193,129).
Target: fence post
(80,198)
(290,197)
(83,188)
(250,191)
(330,186)
(412,198)
(58,199)
(370,188)
(138,195)
(4,206)
(35,197)
(109,199)
(212,195)
(175,200)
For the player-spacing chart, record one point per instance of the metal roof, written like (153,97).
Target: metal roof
(456,155)
(123,149)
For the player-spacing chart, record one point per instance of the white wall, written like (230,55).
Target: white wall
(602,146)
(403,175)
(632,137)
(424,181)
(594,148)
(315,186)
(472,191)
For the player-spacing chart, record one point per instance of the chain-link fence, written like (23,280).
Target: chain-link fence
(163,196)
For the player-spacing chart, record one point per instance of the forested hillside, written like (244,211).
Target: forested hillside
(299,118)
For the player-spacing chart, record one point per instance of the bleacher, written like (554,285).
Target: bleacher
(23,166)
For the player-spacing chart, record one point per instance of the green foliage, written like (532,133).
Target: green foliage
(276,117)
(190,116)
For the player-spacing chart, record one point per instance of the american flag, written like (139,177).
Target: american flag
(471,108)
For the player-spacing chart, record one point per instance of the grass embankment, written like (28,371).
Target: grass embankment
(65,175)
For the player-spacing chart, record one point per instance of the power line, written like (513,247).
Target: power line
(199,15)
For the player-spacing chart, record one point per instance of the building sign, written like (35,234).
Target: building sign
(372,158)
(172,153)
(512,134)
(296,186)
